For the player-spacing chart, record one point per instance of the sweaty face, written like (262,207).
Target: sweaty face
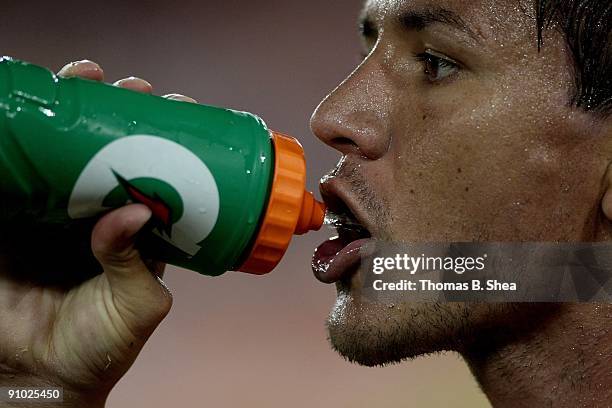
(453,128)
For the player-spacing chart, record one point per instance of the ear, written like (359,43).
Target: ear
(606,201)
(601,129)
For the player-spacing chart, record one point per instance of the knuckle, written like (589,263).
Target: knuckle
(119,258)
(165,303)
(165,299)
(158,306)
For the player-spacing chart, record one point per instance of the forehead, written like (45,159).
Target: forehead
(488,18)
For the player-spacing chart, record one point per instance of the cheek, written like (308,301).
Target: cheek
(502,179)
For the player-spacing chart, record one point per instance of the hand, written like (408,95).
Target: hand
(83,331)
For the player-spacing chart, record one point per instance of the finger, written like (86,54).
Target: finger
(179,97)
(137,293)
(82,69)
(135,84)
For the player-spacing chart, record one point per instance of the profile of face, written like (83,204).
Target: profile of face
(454,128)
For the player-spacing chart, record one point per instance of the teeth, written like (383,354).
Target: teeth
(347,226)
(353,232)
(342,219)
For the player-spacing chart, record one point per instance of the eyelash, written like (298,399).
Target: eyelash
(428,59)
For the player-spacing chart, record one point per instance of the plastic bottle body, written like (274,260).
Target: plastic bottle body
(72,149)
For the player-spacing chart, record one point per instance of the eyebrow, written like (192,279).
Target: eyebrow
(419,20)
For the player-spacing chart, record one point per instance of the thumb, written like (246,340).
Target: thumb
(138,294)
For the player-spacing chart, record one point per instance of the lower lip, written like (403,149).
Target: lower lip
(334,259)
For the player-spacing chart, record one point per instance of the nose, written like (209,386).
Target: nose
(355,117)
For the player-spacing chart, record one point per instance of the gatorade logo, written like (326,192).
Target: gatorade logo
(143,156)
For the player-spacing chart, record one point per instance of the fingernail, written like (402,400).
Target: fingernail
(133,79)
(179,97)
(85,66)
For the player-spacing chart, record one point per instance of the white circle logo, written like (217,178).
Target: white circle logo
(152,157)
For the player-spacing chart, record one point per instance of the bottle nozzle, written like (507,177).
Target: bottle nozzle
(312,215)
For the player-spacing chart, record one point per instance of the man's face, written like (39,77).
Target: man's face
(453,128)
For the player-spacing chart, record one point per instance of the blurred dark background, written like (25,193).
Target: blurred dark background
(238,340)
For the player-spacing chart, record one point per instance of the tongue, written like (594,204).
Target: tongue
(325,254)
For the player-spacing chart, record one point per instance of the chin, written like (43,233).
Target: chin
(376,334)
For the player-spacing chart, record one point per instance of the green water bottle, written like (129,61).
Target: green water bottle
(225,192)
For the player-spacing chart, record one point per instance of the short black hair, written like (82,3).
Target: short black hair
(587,27)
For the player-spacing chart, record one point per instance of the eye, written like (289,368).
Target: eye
(437,67)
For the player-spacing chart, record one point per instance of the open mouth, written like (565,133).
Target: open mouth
(339,257)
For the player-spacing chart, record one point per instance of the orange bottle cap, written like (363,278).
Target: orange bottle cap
(291,209)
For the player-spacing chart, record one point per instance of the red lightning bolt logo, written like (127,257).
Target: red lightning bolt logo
(160,210)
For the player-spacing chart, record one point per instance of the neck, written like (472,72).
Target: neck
(564,361)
